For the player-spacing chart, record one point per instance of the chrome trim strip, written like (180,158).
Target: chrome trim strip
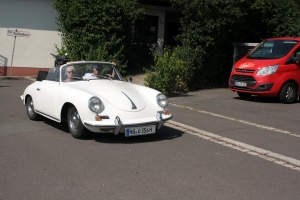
(167,119)
(92,125)
(123,125)
(133,105)
(48,116)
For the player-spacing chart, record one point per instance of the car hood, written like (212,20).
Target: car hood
(122,95)
(253,64)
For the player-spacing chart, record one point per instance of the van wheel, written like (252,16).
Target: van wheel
(244,95)
(75,125)
(288,93)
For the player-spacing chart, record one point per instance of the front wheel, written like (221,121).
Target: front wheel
(288,93)
(75,125)
(30,110)
(244,95)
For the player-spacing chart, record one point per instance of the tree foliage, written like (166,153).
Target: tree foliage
(97,29)
(102,30)
(281,18)
(210,27)
(169,74)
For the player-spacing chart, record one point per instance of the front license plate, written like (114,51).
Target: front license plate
(242,84)
(142,130)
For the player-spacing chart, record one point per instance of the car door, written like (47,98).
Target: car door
(46,103)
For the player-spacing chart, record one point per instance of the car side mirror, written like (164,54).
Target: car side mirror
(297,57)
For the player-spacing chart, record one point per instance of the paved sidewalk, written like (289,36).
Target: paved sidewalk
(138,79)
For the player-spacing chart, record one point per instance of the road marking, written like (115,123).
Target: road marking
(252,150)
(238,120)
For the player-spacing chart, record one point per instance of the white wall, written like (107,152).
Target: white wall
(36,17)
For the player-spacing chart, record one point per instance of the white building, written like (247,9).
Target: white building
(34,22)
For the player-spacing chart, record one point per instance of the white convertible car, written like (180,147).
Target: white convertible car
(92,96)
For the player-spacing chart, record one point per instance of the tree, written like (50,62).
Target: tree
(207,30)
(280,18)
(210,27)
(97,29)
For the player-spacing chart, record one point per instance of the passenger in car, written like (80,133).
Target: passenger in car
(70,72)
(97,70)
(113,71)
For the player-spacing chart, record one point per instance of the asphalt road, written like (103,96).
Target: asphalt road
(40,160)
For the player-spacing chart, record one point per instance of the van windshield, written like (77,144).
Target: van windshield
(272,49)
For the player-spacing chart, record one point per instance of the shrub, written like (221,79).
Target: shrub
(98,29)
(169,74)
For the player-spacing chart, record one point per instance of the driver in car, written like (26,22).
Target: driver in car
(70,72)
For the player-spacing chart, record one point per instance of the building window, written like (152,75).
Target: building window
(146,29)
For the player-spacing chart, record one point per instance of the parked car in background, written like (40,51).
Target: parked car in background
(100,101)
(272,68)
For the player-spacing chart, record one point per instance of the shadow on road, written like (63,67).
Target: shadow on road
(165,133)
(261,99)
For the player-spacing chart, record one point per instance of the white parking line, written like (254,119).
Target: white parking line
(238,120)
(262,153)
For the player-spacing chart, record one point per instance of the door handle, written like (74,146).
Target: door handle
(38,89)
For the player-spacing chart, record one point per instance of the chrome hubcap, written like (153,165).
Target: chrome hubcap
(30,107)
(74,120)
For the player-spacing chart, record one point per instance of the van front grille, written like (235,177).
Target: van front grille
(242,78)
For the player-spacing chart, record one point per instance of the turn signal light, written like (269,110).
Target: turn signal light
(166,112)
(98,118)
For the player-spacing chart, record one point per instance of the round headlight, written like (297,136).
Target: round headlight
(95,104)
(162,100)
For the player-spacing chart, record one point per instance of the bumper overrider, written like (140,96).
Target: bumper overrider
(118,125)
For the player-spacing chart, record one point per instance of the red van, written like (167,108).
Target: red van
(272,68)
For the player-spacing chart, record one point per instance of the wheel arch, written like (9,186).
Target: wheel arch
(25,99)
(289,81)
(64,111)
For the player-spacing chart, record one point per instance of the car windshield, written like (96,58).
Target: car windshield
(86,71)
(272,49)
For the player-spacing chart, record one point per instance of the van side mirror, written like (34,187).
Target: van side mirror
(297,57)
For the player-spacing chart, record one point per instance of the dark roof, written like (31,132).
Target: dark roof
(165,3)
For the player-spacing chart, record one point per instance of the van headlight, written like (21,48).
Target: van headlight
(267,70)
(162,100)
(95,104)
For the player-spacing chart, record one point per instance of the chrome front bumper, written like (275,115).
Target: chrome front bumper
(119,125)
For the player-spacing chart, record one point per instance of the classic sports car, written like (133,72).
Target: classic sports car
(92,96)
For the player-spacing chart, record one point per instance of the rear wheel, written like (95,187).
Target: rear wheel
(288,93)
(75,125)
(244,95)
(30,110)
